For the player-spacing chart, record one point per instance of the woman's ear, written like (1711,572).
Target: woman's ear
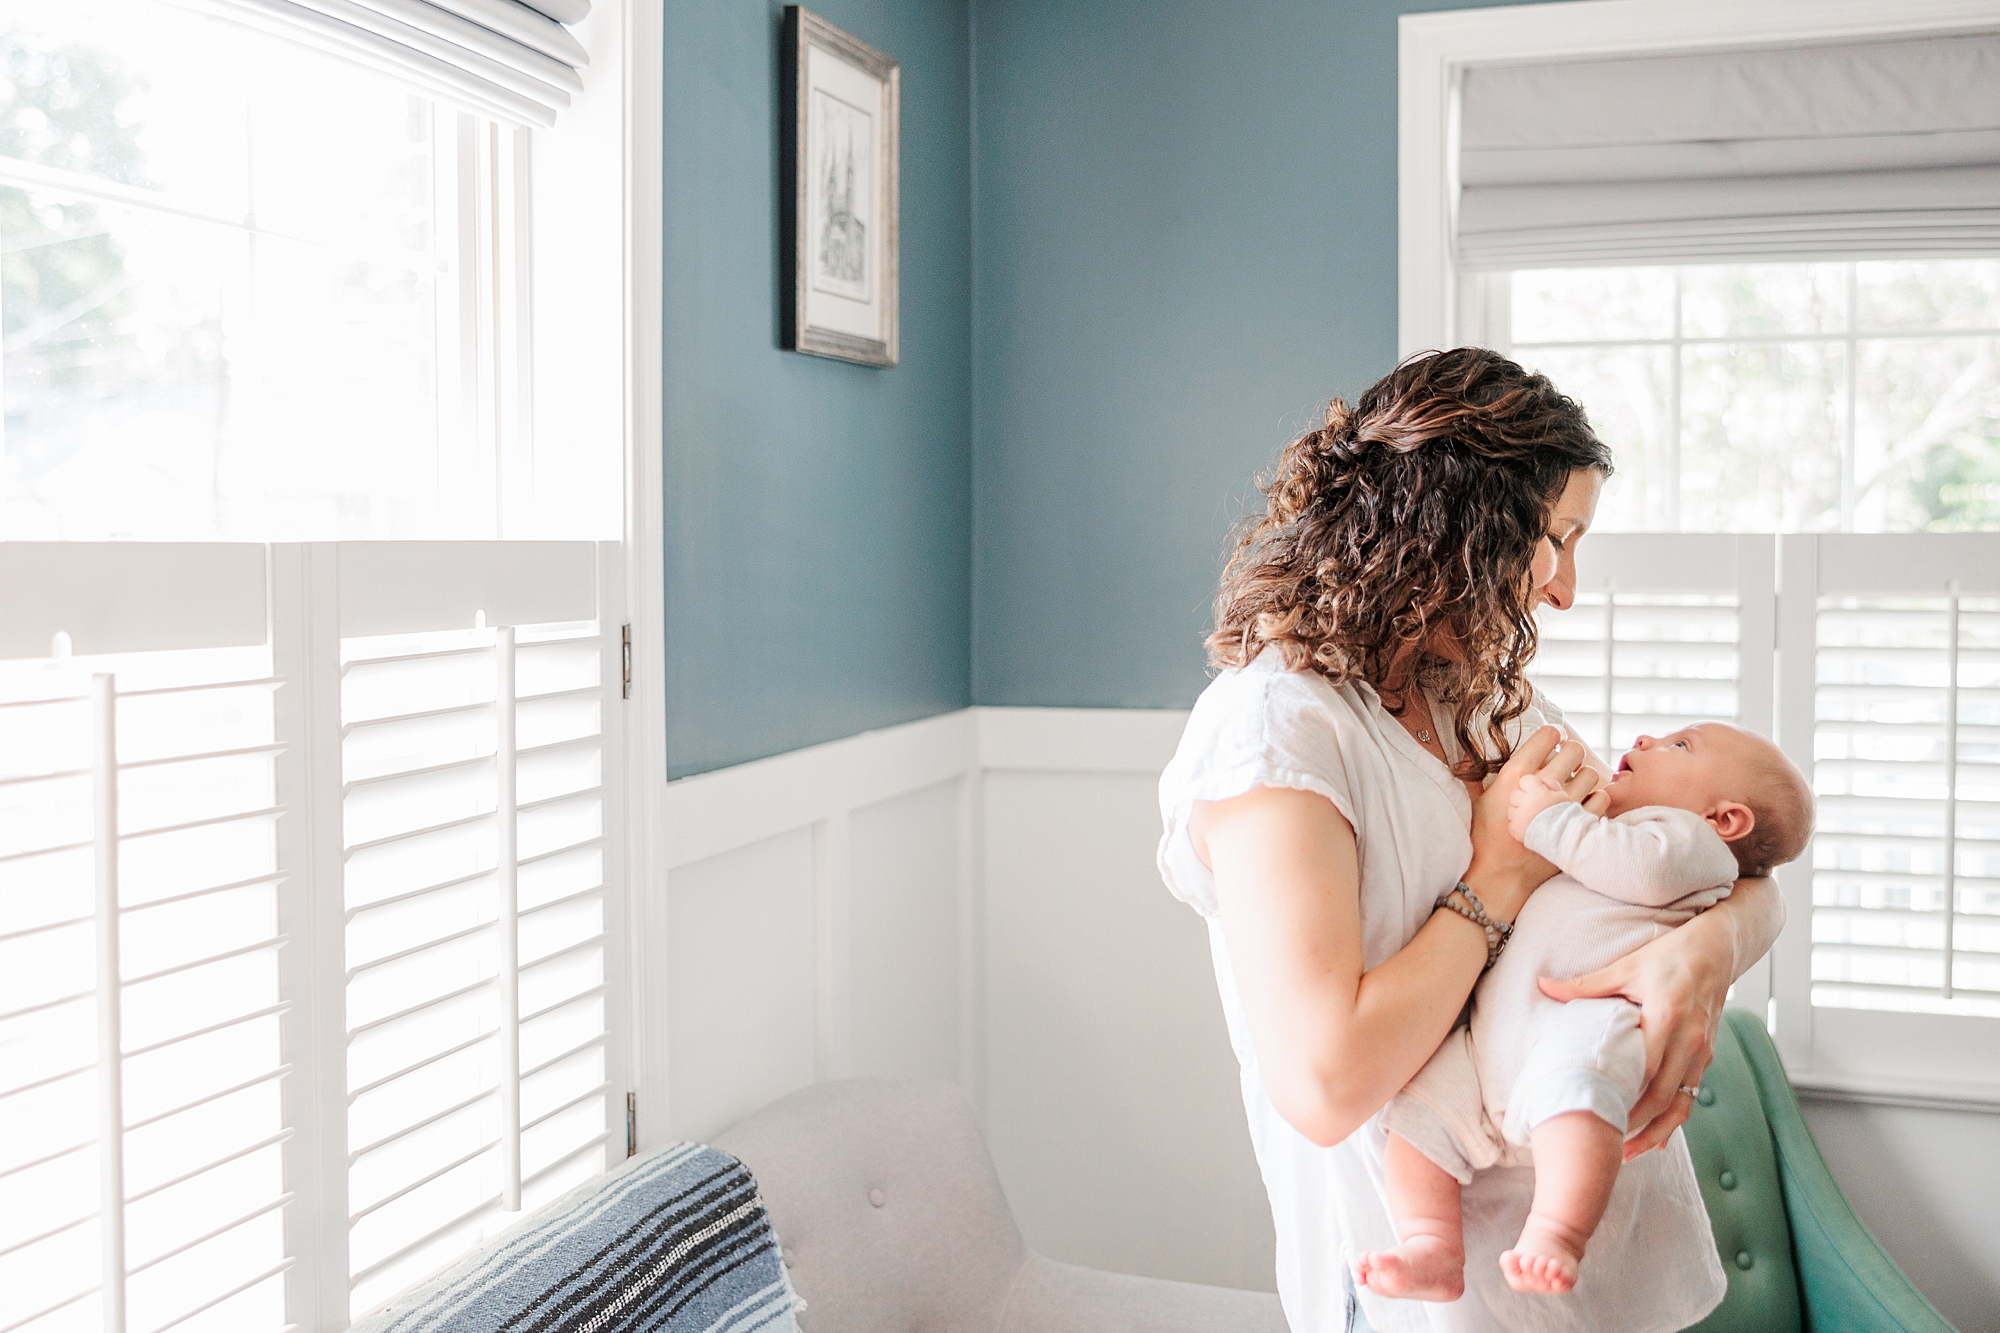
(1732,819)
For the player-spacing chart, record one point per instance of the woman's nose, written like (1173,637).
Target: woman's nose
(1562,587)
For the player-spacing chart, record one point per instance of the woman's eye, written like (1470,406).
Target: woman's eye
(1555,541)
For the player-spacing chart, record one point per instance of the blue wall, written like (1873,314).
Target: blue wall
(1141,244)
(817,513)
(1186,231)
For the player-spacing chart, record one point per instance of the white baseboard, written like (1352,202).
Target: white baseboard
(1915,1093)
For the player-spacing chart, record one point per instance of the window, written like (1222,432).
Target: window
(253,292)
(200,1154)
(221,303)
(1860,397)
(1619,665)
(1906,884)
(475,949)
(310,787)
(304,977)
(1798,399)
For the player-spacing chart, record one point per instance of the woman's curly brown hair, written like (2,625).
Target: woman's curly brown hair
(1411,516)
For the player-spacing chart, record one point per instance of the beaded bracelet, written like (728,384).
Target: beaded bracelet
(1474,911)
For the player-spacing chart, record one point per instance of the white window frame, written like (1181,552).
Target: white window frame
(1435,50)
(485,206)
(567,341)
(593,311)
(1900,1059)
(641,61)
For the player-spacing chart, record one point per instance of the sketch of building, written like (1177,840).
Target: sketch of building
(845,178)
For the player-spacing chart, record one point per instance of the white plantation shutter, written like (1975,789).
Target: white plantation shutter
(357,1010)
(141,1128)
(1874,660)
(1897,972)
(438,1037)
(1667,630)
(1906,879)
(1623,664)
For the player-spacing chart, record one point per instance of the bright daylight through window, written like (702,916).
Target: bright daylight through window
(304,850)
(1781,397)
(228,312)
(1801,398)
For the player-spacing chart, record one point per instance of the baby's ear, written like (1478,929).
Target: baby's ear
(1732,820)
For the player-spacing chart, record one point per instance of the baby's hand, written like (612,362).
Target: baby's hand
(1535,794)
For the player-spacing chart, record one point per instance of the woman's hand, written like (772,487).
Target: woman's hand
(1680,983)
(1503,872)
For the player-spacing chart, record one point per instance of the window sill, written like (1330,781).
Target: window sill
(1918,1093)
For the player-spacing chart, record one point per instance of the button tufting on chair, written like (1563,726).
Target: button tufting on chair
(949,1259)
(1796,1258)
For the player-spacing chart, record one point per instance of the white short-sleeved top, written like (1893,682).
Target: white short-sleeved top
(1262,725)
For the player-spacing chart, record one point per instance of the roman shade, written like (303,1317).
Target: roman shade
(510,59)
(1829,152)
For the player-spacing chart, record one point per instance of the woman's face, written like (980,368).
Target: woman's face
(1553,573)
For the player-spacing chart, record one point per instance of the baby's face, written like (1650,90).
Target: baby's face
(1696,768)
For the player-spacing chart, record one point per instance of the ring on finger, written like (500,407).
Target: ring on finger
(1692,1092)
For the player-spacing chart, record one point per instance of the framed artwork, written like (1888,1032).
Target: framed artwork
(840,119)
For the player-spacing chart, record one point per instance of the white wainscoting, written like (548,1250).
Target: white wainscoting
(1112,1102)
(809,927)
(973,897)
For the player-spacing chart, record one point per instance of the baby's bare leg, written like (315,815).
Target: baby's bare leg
(1429,1265)
(1576,1163)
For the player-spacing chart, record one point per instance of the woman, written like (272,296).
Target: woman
(1373,628)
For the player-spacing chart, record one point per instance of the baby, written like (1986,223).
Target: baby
(1687,814)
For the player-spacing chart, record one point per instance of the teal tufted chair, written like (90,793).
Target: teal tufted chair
(1798,1259)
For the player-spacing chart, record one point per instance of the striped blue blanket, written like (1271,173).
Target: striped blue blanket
(676,1241)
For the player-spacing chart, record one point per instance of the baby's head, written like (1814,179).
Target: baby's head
(1741,783)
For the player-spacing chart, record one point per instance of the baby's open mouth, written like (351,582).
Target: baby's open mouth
(1624,763)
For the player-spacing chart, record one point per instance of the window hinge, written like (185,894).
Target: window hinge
(631,1124)
(625,641)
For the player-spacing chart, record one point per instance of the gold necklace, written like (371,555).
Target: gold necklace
(1422,734)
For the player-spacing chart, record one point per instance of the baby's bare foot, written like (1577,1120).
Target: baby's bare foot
(1422,1268)
(1545,1258)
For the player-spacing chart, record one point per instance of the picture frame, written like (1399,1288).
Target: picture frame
(841,123)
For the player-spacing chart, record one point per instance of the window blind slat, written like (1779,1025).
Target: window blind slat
(526,88)
(518,758)
(1850,151)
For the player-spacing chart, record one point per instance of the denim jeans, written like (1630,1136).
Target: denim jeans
(1357,1319)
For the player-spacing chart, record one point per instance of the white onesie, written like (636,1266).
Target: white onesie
(1525,1058)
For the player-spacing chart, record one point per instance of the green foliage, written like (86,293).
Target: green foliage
(65,107)
(1958,485)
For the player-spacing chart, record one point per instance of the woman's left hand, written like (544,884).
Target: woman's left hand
(1680,982)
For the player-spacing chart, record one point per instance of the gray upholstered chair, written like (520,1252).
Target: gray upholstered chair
(892,1221)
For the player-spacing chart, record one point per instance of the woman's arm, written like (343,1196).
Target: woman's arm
(1680,982)
(1335,1042)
